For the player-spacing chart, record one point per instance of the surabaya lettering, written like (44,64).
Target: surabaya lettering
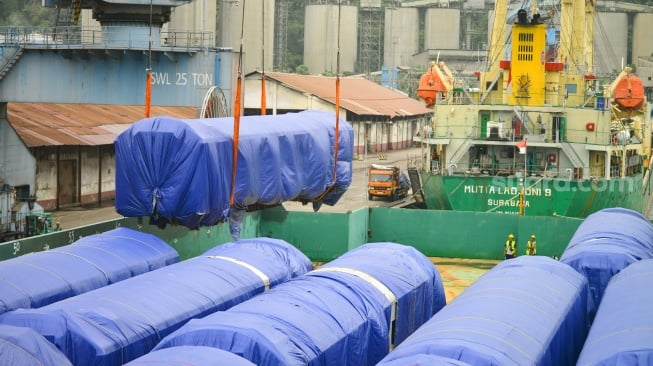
(511,203)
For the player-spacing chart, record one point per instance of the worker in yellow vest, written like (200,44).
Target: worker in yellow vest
(531,246)
(510,248)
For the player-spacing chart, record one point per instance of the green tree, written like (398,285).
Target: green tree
(27,13)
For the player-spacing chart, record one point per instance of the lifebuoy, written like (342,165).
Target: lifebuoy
(589,126)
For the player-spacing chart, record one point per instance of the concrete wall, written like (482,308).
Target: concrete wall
(17,165)
(402,133)
(77,174)
(321,38)
(642,36)
(442,29)
(610,42)
(98,168)
(401,36)
(258,31)
(196,16)
(87,20)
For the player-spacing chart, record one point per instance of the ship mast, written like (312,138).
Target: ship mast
(573,39)
(497,42)
(498,36)
(589,36)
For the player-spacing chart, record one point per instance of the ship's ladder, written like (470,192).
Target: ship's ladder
(489,88)
(8,58)
(460,151)
(572,155)
(525,119)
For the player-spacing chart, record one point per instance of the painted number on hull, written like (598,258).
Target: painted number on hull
(182,79)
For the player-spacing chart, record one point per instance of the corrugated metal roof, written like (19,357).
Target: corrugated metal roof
(51,124)
(357,95)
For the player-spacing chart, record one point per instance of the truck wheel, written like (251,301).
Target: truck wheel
(370,197)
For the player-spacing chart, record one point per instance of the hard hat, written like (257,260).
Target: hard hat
(532,236)
(511,236)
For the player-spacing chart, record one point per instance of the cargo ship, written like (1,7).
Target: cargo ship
(541,134)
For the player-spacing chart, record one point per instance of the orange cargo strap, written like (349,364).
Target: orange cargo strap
(148,70)
(337,132)
(239,91)
(263,96)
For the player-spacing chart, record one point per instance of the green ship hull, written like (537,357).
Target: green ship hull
(541,197)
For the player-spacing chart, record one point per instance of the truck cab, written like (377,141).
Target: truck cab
(386,181)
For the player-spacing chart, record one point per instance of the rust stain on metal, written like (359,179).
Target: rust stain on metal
(51,124)
(357,95)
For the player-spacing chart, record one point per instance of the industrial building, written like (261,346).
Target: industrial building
(383,119)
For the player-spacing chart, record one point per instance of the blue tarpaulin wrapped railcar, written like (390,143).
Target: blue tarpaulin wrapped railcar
(118,323)
(529,310)
(622,332)
(180,171)
(425,360)
(605,243)
(38,279)
(347,312)
(21,346)
(190,356)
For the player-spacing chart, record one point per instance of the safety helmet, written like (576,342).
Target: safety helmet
(532,236)
(511,236)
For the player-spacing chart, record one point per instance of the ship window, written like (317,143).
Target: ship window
(571,88)
(494,86)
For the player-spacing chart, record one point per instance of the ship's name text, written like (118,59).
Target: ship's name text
(528,191)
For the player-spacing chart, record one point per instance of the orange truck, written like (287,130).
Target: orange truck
(386,181)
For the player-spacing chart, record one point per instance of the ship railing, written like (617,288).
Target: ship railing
(488,168)
(539,169)
(109,37)
(541,133)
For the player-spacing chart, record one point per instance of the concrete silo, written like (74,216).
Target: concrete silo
(197,17)
(642,40)
(321,38)
(442,29)
(610,42)
(257,30)
(401,36)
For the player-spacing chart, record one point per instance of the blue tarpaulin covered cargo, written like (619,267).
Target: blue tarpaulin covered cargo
(622,332)
(37,279)
(180,171)
(605,243)
(123,321)
(190,356)
(21,346)
(525,311)
(347,312)
(425,360)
